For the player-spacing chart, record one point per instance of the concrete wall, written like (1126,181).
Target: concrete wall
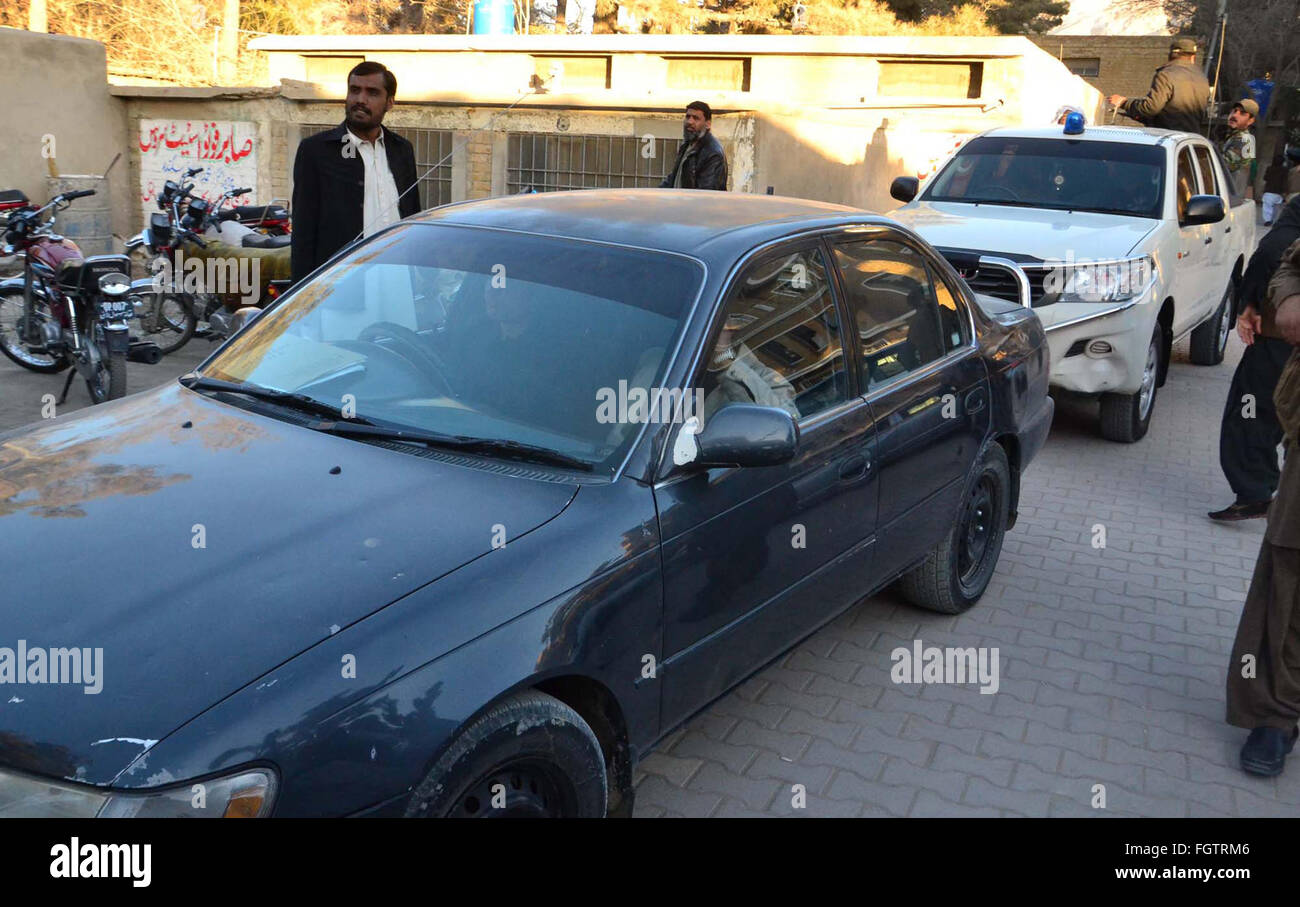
(826,118)
(58,88)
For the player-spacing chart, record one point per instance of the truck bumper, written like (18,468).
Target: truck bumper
(1101,347)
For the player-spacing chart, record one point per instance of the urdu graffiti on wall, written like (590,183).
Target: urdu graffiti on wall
(226,150)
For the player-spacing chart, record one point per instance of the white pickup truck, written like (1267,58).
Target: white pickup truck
(1123,240)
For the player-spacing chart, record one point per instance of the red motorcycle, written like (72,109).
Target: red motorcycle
(68,310)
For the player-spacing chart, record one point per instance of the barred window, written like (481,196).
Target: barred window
(538,162)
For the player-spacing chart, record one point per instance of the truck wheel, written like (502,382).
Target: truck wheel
(956,572)
(528,756)
(1210,338)
(1126,417)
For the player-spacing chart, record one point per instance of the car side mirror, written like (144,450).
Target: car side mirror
(741,434)
(904,188)
(1203,209)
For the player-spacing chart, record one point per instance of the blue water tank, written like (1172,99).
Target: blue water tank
(494,17)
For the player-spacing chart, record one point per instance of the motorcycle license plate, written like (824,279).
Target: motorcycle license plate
(115,309)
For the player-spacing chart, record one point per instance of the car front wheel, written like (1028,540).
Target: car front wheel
(1126,417)
(955,574)
(528,756)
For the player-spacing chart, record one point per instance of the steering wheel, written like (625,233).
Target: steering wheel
(408,344)
(1011,194)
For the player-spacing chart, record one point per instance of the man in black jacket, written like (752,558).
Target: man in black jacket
(1250,432)
(1179,93)
(700,162)
(354,179)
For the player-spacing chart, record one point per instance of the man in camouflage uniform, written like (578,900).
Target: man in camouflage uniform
(1239,146)
(1263,688)
(1179,93)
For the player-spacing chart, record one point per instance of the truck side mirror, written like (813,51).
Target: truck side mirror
(1203,209)
(904,188)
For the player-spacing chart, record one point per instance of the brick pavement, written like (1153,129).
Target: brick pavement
(1112,660)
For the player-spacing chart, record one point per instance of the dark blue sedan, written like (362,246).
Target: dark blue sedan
(469,520)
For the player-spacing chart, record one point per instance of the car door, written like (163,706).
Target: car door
(1219,235)
(921,371)
(1192,269)
(756,558)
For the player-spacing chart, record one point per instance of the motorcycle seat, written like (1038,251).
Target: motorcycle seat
(260,212)
(262,241)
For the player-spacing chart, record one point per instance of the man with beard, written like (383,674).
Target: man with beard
(1263,687)
(1250,433)
(700,162)
(354,179)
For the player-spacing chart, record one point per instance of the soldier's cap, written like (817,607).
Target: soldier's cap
(1183,46)
(1248,105)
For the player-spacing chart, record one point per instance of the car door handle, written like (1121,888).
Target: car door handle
(1209,239)
(855,467)
(1227,229)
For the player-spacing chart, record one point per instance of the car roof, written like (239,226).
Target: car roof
(1133,135)
(700,223)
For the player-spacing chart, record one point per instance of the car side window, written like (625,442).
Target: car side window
(952,321)
(779,344)
(1209,184)
(893,301)
(1186,182)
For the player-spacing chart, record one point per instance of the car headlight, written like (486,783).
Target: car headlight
(1100,281)
(246,795)
(25,797)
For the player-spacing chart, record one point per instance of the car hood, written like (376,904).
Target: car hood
(198,546)
(1017,232)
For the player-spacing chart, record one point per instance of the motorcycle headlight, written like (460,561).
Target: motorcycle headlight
(115,284)
(1101,281)
(245,795)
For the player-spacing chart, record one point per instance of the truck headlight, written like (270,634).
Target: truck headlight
(1100,281)
(244,795)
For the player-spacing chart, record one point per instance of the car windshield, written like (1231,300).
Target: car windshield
(1061,174)
(480,334)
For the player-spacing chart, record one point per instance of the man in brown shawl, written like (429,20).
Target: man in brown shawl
(1263,690)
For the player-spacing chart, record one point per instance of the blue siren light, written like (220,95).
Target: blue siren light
(1074,123)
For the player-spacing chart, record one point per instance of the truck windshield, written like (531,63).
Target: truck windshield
(1061,174)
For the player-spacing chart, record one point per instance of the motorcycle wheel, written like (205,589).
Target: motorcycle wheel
(169,321)
(11,315)
(108,380)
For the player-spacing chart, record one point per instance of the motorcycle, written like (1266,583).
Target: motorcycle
(68,310)
(203,231)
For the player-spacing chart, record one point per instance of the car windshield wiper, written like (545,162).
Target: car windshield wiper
(300,402)
(514,450)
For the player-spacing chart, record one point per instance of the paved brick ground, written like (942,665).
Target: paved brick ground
(1112,660)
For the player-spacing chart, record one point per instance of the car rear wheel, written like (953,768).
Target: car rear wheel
(956,572)
(1126,417)
(1210,338)
(529,756)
